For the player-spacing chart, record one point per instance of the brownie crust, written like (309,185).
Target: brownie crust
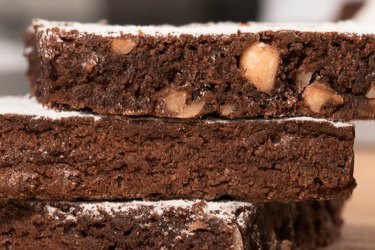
(327,74)
(86,157)
(304,225)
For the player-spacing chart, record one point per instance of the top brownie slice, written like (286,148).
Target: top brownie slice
(224,69)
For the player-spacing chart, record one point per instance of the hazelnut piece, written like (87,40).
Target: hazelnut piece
(175,102)
(226,110)
(123,46)
(371,92)
(303,79)
(286,245)
(197,225)
(259,64)
(317,95)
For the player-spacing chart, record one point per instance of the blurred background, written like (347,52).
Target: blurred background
(15,15)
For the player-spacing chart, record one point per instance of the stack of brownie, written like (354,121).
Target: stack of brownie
(214,136)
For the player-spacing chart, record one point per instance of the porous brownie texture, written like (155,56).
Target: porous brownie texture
(262,73)
(71,155)
(169,225)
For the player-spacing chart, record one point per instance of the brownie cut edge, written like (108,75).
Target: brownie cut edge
(50,155)
(223,70)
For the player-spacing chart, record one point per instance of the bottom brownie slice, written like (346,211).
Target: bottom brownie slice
(173,224)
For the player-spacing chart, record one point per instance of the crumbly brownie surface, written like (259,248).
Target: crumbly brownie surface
(53,155)
(173,224)
(227,70)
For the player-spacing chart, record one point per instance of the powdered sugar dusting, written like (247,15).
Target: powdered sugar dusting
(26,105)
(222,28)
(159,207)
(225,211)
(56,213)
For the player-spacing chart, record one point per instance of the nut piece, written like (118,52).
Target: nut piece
(197,225)
(226,109)
(259,64)
(191,110)
(123,46)
(286,245)
(337,100)
(303,79)
(371,92)
(176,102)
(317,95)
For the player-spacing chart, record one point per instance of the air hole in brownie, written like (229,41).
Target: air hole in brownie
(158,88)
(212,116)
(86,110)
(237,58)
(318,181)
(68,228)
(196,94)
(120,181)
(226,197)
(171,75)
(275,139)
(65,107)
(154,196)
(211,87)
(121,153)
(137,93)
(227,88)
(53,75)
(128,232)
(98,225)
(192,47)
(336,44)
(8,245)
(83,234)
(314,76)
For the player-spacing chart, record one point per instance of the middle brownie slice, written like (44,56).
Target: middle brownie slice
(52,155)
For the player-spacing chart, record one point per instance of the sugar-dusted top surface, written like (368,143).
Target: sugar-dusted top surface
(26,105)
(158,207)
(225,28)
(224,210)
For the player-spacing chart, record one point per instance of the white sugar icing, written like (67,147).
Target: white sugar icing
(26,105)
(225,28)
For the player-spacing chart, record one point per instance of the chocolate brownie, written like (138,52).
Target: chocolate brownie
(225,69)
(53,155)
(173,224)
